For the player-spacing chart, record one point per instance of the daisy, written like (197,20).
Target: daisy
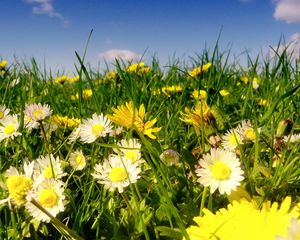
(9,128)
(95,127)
(4,111)
(74,135)
(291,138)
(30,123)
(231,140)
(130,149)
(220,169)
(246,131)
(18,184)
(37,112)
(49,195)
(48,167)
(116,172)
(77,160)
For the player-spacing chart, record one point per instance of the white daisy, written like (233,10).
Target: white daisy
(49,194)
(9,128)
(116,131)
(4,111)
(74,135)
(116,172)
(130,149)
(18,184)
(37,112)
(231,140)
(77,160)
(220,169)
(30,123)
(92,128)
(46,166)
(292,138)
(246,131)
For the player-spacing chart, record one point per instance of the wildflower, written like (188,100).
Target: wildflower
(116,172)
(74,135)
(170,157)
(293,231)
(220,169)
(95,127)
(14,82)
(61,79)
(116,131)
(246,131)
(9,128)
(86,94)
(167,90)
(202,114)
(18,184)
(231,140)
(198,95)
(110,75)
(130,149)
(224,93)
(255,83)
(133,68)
(3,64)
(30,123)
(65,121)
(77,160)
(201,69)
(245,220)
(4,111)
(73,79)
(245,79)
(262,102)
(49,194)
(128,116)
(37,112)
(48,167)
(293,138)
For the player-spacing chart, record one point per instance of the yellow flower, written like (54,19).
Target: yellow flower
(3,64)
(224,93)
(110,75)
(245,220)
(86,94)
(129,116)
(201,114)
(65,121)
(171,89)
(201,69)
(262,102)
(245,79)
(61,79)
(73,79)
(198,95)
(133,68)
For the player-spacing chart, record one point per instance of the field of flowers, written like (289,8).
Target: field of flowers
(208,150)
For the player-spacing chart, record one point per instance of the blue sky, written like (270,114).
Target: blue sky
(52,30)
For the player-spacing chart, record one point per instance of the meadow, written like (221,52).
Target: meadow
(204,150)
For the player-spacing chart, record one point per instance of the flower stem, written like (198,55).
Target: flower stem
(203,200)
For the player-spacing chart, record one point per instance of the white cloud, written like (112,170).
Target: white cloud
(46,7)
(292,47)
(125,55)
(287,10)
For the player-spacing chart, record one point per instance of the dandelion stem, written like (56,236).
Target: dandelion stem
(203,200)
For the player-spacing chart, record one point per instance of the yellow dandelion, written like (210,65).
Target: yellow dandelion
(133,68)
(224,93)
(201,69)
(129,116)
(262,102)
(65,121)
(199,94)
(110,75)
(244,79)
(3,64)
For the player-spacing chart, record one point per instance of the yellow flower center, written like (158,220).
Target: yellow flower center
(9,129)
(234,140)
(48,172)
(97,129)
(38,113)
(118,174)
(48,198)
(250,134)
(1,114)
(220,171)
(18,186)
(79,159)
(132,155)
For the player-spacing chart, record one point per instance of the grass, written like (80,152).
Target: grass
(165,199)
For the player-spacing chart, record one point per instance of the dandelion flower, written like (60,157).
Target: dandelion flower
(77,160)
(49,194)
(37,112)
(116,172)
(129,116)
(231,140)
(224,93)
(65,121)
(3,64)
(198,95)
(95,127)
(48,167)
(9,128)
(133,68)
(130,149)
(4,111)
(220,169)
(198,70)
(255,83)
(19,184)
(245,220)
